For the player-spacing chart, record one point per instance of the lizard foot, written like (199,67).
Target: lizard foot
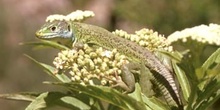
(120,83)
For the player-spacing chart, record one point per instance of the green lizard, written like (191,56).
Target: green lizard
(66,32)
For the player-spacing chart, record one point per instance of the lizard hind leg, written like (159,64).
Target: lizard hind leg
(145,81)
(127,79)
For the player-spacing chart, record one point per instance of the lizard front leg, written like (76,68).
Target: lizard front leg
(78,45)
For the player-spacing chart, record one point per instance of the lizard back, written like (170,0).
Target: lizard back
(95,35)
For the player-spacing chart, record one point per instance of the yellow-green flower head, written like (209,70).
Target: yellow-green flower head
(77,15)
(204,34)
(146,38)
(87,64)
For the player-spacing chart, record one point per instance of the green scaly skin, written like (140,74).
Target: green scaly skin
(69,32)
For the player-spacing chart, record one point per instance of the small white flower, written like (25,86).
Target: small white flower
(77,15)
(107,53)
(54,17)
(204,33)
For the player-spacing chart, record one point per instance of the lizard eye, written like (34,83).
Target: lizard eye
(53,28)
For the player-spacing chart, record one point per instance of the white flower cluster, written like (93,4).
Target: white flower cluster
(146,38)
(77,15)
(88,63)
(204,34)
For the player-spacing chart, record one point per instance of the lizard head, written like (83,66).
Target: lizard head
(58,31)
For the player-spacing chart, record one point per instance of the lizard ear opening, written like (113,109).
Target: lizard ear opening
(68,27)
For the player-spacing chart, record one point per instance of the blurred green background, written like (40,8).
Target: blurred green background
(19,19)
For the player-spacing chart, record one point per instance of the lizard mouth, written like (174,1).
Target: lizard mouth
(41,35)
(61,38)
(64,35)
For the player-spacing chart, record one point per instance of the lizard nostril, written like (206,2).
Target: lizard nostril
(38,34)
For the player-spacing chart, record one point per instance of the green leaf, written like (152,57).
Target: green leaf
(38,103)
(51,71)
(49,99)
(47,43)
(176,56)
(107,94)
(209,86)
(152,103)
(137,93)
(209,94)
(214,58)
(20,96)
(75,102)
(155,104)
(211,101)
(183,81)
